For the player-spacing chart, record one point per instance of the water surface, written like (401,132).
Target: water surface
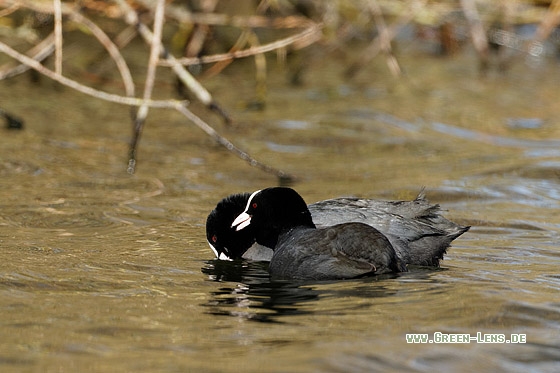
(103,271)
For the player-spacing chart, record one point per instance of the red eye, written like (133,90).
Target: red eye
(214,238)
(254,205)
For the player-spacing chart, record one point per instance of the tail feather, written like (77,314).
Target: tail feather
(429,250)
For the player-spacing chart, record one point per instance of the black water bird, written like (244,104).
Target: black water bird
(415,229)
(281,221)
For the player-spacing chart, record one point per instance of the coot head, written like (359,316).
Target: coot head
(224,240)
(271,211)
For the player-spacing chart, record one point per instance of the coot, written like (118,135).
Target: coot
(416,230)
(281,220)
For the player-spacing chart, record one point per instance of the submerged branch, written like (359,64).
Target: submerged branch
(142,112)
(283,177)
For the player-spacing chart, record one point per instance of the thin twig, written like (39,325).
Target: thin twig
(120,41)
(247,37)
(199,33)
(376,45)
(85,89)
(9,10)
(111,48)
(303,39)
(260,67)
(180,106)
(69,10)
(222,64)
(186,78)
(476,28)
(142,113)
(153,40)
(39,52)
(384,39)
(183,15)
(57,36)
(282,176)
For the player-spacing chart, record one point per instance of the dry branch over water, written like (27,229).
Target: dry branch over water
(296,25)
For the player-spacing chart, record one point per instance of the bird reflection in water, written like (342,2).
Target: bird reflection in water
(249,292)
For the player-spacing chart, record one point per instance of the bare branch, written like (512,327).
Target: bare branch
(54,42)
(85,89)
(111,48)
(57,36)
(186,78)
(283,176)
(39,52)
(149,85)
(222,64)
(390,32)
(9,10)
(384,37)
(260,66)
(95,30)
(478,35)
(183,15)
(303,39)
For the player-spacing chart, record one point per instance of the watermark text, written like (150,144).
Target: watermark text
(439,337)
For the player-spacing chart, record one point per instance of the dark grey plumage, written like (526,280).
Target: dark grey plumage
(342,251)
(417,231)
(281,220)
